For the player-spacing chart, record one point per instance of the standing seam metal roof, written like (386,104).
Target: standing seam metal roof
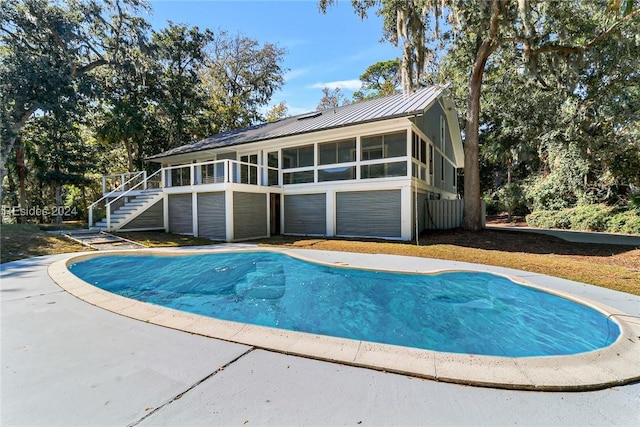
(397,105)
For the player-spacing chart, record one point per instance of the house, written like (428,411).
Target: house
(360,170)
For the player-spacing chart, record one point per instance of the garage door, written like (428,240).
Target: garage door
(211,216)
(305,214)
(369,213)
(180,214)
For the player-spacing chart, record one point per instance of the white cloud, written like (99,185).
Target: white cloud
(342,84)
(295,73)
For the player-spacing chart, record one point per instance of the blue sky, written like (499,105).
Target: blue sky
(322,50)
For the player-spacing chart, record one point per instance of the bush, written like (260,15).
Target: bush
(550,219)
(624,222)
(512,200)
(588,218)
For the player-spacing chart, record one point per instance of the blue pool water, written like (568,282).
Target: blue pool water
(458,312)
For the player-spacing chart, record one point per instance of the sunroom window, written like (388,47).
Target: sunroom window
(384,146)
(337,152)
(297,157)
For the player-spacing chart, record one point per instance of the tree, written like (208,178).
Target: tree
(48,52)
(332,99)
(380,79)
(180,54)
(550,37)
(277,112)
(240,78)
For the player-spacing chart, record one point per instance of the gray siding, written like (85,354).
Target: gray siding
(429,123)
(437,170)
(249,215)
(449,177)
(180,214)
(305,214)
(211,216)
(369,213)
(153,217)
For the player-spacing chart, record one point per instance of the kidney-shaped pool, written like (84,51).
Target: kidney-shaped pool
(456,312)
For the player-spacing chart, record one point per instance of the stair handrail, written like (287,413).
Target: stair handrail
(116,190)
(108,205)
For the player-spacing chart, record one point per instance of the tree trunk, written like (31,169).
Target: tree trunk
(22,197)
(6,149)
(472,215)
(130,164)
(58,187)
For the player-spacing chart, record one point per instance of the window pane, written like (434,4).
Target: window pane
(181,176)
(289,158)
(430,159)
(273,177)
(383,170)
(272,159)
(347,151)
(305,156)
(396,169)
(423,151)
(327,153)
(337,174)
(298,177)
(395,144)
(372,171)
(372,148)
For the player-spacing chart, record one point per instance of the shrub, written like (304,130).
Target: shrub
(624,222)
(512,199)
(550,219)
(588,218)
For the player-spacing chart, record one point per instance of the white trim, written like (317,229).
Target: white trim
(194,213)
(228,208)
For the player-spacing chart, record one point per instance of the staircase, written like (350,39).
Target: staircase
(129,211)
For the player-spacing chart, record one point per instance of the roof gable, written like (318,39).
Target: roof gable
(377,109)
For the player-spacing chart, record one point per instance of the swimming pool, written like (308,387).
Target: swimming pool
(454,312)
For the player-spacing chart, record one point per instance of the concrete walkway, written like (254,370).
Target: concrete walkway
(65,362)
(100,240)
(577,236)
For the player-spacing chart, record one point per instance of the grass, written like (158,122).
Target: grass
(619,271)
(613,267)
(20,241)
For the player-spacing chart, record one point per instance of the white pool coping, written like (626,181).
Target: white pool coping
(617,364)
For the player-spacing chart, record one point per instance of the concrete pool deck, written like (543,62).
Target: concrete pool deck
(66,362)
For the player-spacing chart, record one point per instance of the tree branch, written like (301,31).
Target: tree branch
(90,66)
(612,28)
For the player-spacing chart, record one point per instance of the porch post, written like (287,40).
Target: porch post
(330,213)
(406,224)
(228,203)
(194,213)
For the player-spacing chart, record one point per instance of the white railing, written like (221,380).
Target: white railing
(212,172)
(218,172)
(118,189)
(119,182)
(125,194)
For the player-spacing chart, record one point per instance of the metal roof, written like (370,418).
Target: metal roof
(398,105)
